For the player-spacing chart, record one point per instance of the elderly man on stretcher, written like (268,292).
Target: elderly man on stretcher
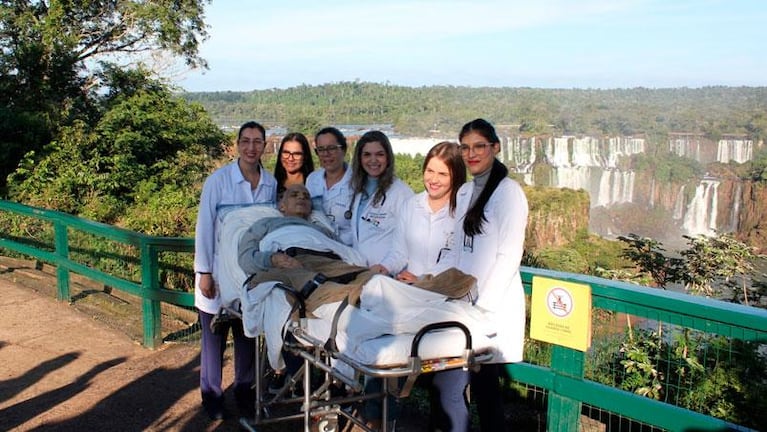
(294,247)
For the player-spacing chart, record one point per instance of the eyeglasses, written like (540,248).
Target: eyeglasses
(478,149)
(255,142)
(328,149)
(292,155)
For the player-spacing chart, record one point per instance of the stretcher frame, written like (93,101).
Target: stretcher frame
(319,404)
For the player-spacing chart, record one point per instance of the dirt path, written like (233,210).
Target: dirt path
(65,367)
(62,370)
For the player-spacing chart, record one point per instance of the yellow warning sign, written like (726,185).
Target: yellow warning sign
(560,313)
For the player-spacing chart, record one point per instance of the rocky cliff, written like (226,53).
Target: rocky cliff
(632,187)
(556,216)
(752,222)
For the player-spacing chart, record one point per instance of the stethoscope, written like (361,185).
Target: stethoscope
(348,212)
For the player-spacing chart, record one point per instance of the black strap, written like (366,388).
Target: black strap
(293,251)
(312,285)
(346,277)
(330,344)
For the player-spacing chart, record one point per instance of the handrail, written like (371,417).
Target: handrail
(150,247)
(563,380)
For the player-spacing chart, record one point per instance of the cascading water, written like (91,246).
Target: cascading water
(679,204)
(700,217)
(737,150)
(736,208)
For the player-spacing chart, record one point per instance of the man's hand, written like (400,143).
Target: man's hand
(282,260)
(207,285)
(378,268)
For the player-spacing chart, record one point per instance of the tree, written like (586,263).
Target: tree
(648,254)
(717,258)
(131,152)
(50,52)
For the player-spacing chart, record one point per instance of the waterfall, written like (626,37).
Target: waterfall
(652,193)
(686,145)
(603,194)
(615,187)
(700,217)
(572,177)
(557,152)
(737,150)
(679,204)
(588,163)
(736,208)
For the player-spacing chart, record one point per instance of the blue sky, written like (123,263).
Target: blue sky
(515,43)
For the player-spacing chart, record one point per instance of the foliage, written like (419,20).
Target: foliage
(49,52)
(706,260)
(648,255)
(563,259)
(409,169)
(710,258)
(759,166)
(443,109)
(705,373)
(307,125)
(145,138)
(668,167)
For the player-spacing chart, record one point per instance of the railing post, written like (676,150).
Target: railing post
(150,308)
(61,244)
(564,413)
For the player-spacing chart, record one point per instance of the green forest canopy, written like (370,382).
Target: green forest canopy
(417,111)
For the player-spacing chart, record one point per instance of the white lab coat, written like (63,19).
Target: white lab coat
(494,257)
(373,226)
(334,202)
(420,238)
(224,187)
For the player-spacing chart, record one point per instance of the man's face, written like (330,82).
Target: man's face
(296,201)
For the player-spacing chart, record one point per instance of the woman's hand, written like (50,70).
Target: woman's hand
(207,285)
(406,276)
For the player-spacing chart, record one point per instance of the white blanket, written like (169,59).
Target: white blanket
(388,308)
(379,332)
(230,277)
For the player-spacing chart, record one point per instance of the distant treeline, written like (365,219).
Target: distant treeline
(712,111)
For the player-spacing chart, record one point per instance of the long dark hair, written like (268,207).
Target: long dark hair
(359,176)
(449,153)
(306,167)
(475,216)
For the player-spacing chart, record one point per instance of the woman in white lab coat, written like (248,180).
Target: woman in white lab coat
(424,231)
(489,238)
(424,235)
(378,198)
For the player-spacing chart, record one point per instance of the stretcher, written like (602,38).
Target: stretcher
(395,332)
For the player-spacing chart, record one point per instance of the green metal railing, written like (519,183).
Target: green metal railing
(564,379)
(149,247)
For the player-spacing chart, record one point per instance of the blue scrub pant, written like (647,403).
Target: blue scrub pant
(211,363)
(450,387)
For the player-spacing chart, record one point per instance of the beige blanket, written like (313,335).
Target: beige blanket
(451,283)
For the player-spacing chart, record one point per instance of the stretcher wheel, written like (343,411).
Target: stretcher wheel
(328,423)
